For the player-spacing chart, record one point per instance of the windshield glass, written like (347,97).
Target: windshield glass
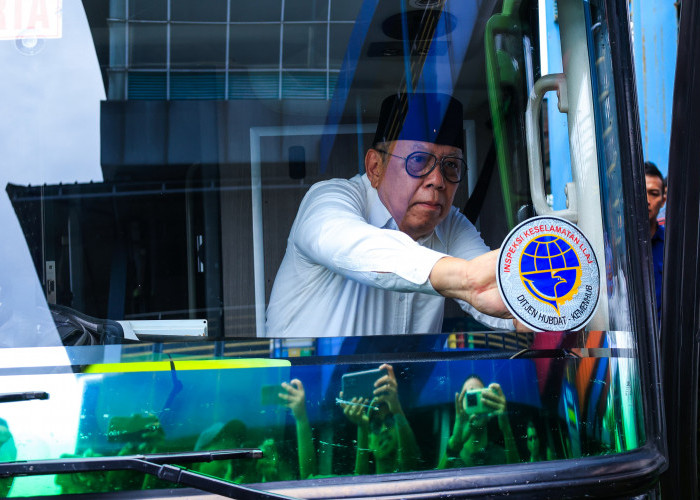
(220,217)
(495,405)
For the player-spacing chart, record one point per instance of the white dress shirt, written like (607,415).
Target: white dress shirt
(348,270)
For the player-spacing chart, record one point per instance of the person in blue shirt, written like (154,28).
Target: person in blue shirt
(656,198)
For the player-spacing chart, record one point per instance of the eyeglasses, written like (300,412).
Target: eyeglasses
(420,164)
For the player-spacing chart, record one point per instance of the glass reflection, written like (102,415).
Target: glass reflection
(566,396)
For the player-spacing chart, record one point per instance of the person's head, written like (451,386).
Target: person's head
(4,431)
(533,439)
(656,190)
(383,435)
(473,382)
(220,436)
(409,125)
(8,450)
(269,465)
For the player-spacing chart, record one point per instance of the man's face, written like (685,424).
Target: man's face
(656,197)
(416,204)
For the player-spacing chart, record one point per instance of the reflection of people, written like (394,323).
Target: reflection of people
(469,443)
(141,434)
(138,434)
(270,467)
(220,436)
(8,453)
(359,248)
(295,396)
(88,482)
(382,429)
(533,443)
(656,198)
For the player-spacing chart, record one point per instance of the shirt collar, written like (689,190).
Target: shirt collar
(379,216)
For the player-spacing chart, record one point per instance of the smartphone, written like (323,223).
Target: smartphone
(361,384)
(473,402)
(269,395)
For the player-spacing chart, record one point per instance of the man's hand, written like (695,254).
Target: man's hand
(473,281)
(520,327)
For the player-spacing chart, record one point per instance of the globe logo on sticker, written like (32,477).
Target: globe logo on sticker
(548,274)
(550,270)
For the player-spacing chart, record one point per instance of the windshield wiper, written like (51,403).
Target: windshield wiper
(22,396)
(157,465)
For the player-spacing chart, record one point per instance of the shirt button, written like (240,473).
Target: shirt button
(401,298)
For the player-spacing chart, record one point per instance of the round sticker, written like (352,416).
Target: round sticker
(548,275)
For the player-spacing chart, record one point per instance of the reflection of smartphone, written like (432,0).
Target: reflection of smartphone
(473,402)
(269,395)
(361,384)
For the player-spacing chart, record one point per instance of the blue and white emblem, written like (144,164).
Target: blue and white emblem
(548,275)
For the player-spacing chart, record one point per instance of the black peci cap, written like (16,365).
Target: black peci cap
(428,117)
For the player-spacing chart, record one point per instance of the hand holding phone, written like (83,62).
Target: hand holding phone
(386,390)
(473,402)
(360,385)
(485,400)
(295,398)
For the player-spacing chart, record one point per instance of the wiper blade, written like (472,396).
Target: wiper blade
(157,465)
(22,396)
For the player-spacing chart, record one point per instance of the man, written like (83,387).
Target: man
(656,198)
(360,249)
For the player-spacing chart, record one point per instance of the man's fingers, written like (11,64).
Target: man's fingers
(520,327)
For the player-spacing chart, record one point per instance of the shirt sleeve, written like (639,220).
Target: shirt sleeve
(495,323)
(465,242)
(331,229)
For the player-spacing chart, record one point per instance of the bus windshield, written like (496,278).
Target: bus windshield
(276,226)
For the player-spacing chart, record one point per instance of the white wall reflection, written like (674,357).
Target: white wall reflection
(49,133)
